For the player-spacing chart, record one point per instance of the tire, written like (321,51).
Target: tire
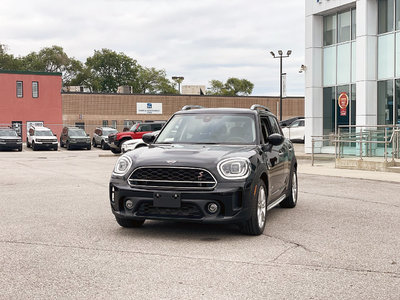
(94,143)
(103,145)
(255,225)
(89,147)
(27,144)
(61,143)
(293,191)
(126,223)
(55,148)
(115,151)
(34,147)
(68,146)
(20,149)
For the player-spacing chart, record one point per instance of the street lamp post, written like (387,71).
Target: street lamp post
(178,80)
(280,56)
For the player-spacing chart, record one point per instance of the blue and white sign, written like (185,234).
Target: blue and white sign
(148,108)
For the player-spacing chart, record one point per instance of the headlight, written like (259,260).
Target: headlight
(73,140)
(234,168)
(1,140)
(123,165)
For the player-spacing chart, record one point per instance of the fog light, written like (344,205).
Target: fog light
(212,208)
(129,204)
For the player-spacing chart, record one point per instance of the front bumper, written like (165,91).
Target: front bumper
(233,200)
(80,144)
(10,145)
(48,145)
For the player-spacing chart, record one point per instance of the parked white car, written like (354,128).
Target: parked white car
(295,131)
(41,137)
(130,145)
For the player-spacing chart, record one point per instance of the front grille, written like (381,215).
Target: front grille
(172,177)
(187,210)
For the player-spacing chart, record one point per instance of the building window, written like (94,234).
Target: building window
(329,30)
(343,63)
(114,124)
(80,125)
(105,123)
(344,26)
(20,88)
(386,56)
(35,89)
(339,52)
(385,15)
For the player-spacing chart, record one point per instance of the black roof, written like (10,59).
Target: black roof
(223,110)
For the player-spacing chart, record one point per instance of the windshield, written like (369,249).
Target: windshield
(43,133)
(77,132)
(8,133)
(209,129)
(110,131)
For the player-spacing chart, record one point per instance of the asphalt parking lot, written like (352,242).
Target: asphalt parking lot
(59,239)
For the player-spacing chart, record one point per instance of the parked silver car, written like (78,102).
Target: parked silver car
(100,137)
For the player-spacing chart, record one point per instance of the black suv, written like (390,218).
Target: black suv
(9,139)
(75,137)
(216,165)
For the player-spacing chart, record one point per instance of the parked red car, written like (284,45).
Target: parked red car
(136,132)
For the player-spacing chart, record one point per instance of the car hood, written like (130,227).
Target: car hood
(188,155)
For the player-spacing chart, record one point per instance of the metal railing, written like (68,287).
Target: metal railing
(366,140)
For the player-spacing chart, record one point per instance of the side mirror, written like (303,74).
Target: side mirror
(275,139)
(54,134)
(148,138)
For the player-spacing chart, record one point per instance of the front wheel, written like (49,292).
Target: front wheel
(126,223)
(34,147)
(255,225)
(291,200)
(94,143)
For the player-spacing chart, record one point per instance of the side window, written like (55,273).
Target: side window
(302,123)
(264,129)
(274,125)
(144,127)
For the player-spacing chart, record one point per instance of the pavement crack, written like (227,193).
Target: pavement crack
(296,245)
(250,263)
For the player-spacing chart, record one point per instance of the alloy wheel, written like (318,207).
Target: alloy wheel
(261,207)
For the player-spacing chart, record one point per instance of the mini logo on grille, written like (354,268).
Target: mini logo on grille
(171,162)
(201,173)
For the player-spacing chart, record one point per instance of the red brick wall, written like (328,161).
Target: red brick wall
(47,107)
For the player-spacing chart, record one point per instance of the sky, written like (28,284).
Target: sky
(199,40)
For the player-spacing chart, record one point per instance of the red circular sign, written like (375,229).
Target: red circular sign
(343,100)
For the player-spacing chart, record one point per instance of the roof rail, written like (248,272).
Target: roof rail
(258,106)
(189,107)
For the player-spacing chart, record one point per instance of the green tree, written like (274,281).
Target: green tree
(153,81)
(8,61)
(232,87)
(109,70)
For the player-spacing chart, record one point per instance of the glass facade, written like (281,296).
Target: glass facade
(339,65)
(388,62)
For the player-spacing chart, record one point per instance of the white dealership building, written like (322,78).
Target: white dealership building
(352,54)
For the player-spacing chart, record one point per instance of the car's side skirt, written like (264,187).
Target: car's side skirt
(276,202)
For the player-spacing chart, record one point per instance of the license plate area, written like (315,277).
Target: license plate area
(172,200)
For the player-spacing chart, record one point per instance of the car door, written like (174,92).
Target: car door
(297,130)
(273,159)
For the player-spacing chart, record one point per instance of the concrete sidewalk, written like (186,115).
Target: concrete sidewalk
(325,166)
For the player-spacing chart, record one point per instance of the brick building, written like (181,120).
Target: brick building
(122,110)
(27,97)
